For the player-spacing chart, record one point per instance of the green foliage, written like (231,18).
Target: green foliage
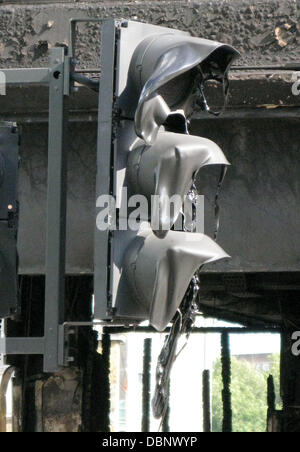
(275,371)
(249,395)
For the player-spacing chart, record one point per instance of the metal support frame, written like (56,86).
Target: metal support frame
(22,346)
(56,211)
(58,78)
(35,76)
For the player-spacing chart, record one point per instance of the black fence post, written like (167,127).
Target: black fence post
(106,345)
(226,377)
(206,401)
(146,385)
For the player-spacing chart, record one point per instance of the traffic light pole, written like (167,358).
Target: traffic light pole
(56,210)
(59,77)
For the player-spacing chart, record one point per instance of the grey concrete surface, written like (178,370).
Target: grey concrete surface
(259,202)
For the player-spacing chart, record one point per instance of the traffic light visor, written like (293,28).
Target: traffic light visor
(168,65)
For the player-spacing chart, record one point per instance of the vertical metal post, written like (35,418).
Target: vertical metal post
(206,401)
(56,210)
(106,345)
(102,258)
(271,397)
(226,377)
(146,385)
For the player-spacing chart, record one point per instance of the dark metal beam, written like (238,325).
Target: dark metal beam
(254,112)
(22,346)
(206,401)
(292,66)
(226,377)
(22,76)
(106,348)
(56,211)
(202,330)
(146,385)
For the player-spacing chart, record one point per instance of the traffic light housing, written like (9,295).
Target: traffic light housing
(150,79)
(167,169)
(158,271)
(163,70)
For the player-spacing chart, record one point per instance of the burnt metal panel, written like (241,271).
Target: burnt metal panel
(9,160)
(8,271)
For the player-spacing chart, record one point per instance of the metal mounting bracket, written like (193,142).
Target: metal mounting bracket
(57,76)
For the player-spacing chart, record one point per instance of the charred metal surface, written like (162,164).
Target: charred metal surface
(226,379)
(105,381)
(274,417)
(263,92)
(251,299)
(290,374)
(249,311)
(146,407)
(59,399)
(255,89)
(73,399)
